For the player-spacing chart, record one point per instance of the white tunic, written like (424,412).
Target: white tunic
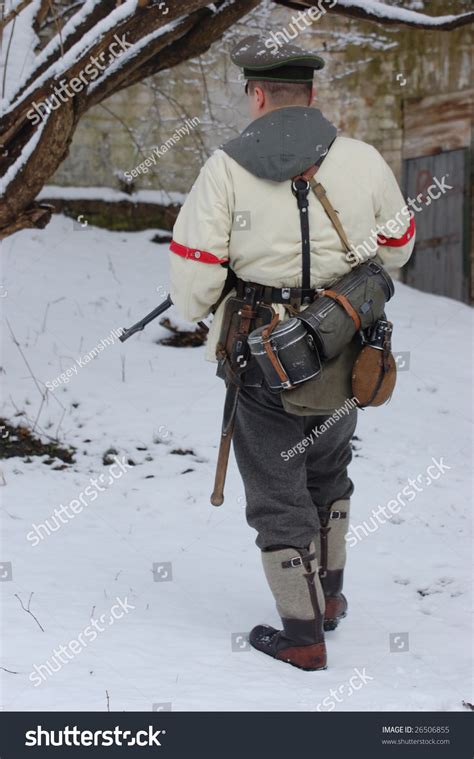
(232,216)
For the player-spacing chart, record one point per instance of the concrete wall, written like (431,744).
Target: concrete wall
(370,71)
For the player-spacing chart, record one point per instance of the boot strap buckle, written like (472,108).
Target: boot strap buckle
(298,561)
(338,515)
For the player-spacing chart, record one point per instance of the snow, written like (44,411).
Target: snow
(160,197)
(22,159)
(67,291)
(384,10)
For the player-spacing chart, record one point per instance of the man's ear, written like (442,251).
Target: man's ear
(261,97)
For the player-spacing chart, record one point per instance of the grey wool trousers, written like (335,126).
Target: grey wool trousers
(291,466)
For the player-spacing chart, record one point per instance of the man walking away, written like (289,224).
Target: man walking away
(241,213)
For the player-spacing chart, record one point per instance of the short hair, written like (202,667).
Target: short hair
(282,93)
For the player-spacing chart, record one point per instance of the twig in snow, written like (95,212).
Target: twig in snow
(30,420)
(10,671)
(27,609)
(79,307)
(43,393)
(112,269)
(39,411)
(108,700)
(15,342)
(60,423)
(45,318)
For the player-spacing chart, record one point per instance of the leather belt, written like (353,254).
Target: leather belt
(284,295)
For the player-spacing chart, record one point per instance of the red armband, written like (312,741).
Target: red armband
(196,254)
(397,242)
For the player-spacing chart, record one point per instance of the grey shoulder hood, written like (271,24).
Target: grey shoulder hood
(282,144)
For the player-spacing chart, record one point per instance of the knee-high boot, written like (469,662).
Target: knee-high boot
(292,574)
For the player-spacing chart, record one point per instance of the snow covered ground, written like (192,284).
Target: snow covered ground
(191,572)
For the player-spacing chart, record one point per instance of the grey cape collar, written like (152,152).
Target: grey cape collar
(282,144)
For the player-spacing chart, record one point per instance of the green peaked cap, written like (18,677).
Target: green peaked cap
(262,58)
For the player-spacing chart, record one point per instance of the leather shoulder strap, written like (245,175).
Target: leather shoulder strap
(332,214)
(321,195)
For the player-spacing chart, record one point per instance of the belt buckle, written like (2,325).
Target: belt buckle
(286,293)
(298,561)
(335,515)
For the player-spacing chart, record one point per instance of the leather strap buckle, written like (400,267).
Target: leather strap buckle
(298,561)
(338,515)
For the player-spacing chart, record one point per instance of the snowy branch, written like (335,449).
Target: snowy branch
(388,15)
(152,38)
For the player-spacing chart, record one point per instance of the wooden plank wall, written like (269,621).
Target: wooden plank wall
(436,124)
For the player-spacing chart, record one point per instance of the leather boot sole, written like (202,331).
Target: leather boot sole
(310,658)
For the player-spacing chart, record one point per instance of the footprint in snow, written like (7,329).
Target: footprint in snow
(401,580)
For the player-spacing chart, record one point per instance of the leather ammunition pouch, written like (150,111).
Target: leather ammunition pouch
(241,316)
